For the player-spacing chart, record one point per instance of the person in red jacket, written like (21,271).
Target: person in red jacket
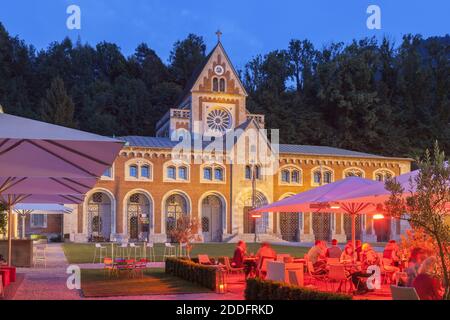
(427,285)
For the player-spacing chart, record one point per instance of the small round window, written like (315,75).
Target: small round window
(219,120)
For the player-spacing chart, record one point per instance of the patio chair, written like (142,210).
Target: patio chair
(169,251)
(337,274)
(98,250)
(136,249)
(296,277)
(140,266)
(404,293)
(151,251)
(123,249)
(182,250)
(231,269)
(204,259)
(314,278)
(262,267)
(40,255)
(281,257)
(276,271)
(387,270)
(108,267)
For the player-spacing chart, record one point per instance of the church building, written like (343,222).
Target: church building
(149,187)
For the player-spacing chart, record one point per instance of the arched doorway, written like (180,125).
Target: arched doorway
(99,217)
(290,226)
(348,226)
(212,218)
(322,225)
(139,216)
(176,207)
(260,225)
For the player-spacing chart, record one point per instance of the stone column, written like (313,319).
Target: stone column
(307,235)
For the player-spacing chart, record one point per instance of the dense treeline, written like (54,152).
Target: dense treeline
(367,96)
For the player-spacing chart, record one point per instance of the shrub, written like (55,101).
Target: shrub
(204,276)
(258,289)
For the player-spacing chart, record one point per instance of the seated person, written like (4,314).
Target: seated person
(334,251)
(347,255)
(265,251)
(239,255)
(317,256)
(391,251)
(416,258)
(358,249)
(426,283)
(368,258)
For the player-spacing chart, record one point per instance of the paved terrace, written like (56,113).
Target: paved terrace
(50,284)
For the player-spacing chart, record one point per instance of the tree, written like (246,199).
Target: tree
(57,106)
(186,232)
(185,57)
(3,219)
(426,207)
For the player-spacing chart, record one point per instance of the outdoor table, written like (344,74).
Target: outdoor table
(6,277)
(249,265)
(12,272)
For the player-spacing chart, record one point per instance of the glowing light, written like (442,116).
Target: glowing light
(256,215)
(378,216)
(335,207)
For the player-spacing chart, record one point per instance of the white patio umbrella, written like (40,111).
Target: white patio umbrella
(45,163)
(24,209)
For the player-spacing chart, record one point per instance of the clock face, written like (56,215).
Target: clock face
(219,70)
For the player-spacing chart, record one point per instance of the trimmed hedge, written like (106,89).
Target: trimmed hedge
(202,275)
(258,289)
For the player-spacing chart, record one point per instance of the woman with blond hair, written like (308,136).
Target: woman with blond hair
(426,283)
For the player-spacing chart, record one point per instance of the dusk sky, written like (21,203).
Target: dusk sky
(249,27)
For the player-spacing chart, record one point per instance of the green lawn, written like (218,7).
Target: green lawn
(84,253)
(95,283)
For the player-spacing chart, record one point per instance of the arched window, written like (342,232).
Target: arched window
(322,176)
(285,176)
(107,173)
(218,174)
(353,173)
(258,172)
(207,173)
(215,85)
(182,173)
(317,177)
(145,172)
(133,171)
(222,85)
(248,172)
(171,172)
(327,177)
(295,176)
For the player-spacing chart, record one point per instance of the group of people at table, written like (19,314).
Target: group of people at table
(410,268)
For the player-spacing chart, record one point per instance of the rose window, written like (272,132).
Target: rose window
(219,120)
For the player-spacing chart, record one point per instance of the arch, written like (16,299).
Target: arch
(290,223)
(112,212)
(210,212)
(290,168)
(323,169)
(176,164)
(250,224)
(384,172)
(139,163)
(213,166)
(125,216)
(353,172)
(164,210)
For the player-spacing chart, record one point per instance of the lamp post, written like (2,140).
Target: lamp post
(254,216)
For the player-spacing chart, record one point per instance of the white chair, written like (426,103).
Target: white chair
(182,251)
(99,249)
(151,251)
(169,251)
(404,293)
(136,249)
(296,277)
(40,255)
(123,249)
(276,271)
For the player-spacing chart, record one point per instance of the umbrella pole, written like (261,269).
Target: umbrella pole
(353,230)
(9,233)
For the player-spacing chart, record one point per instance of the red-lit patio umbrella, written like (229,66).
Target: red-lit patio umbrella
(45,163)
(326,198)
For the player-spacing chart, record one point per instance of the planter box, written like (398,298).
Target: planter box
(22,252)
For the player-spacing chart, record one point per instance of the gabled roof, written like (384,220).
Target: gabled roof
(199,69)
